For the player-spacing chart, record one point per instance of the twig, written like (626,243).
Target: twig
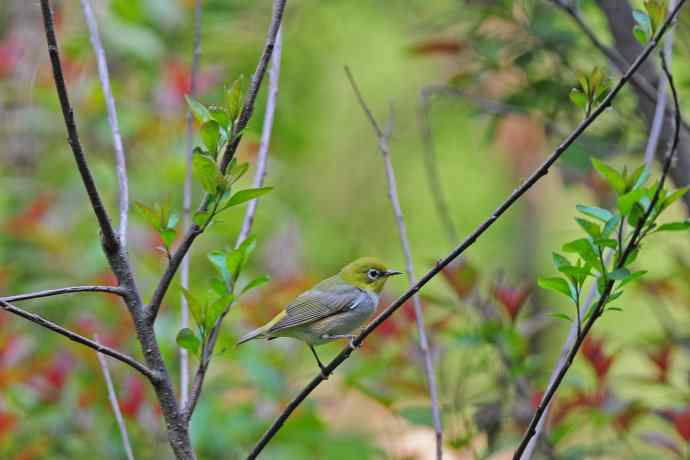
(73,336)
(384,148)
(178,433)
(194,231)
(618,61)
(469,241)
(110,240)
(274,77)
(561,370)
(112,118)
(661,99)
(66,290)
(114,404)
(187,203)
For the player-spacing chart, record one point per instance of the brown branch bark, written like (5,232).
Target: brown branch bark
(66,290)
(462,247)
(74,337)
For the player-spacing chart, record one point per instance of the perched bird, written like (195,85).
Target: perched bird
(333,309)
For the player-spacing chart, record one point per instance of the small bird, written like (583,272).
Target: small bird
(333,309)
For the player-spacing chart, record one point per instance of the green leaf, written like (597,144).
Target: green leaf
(613,177)
(613,309)
(206,172)
(562,316)
(150,216)
(235,172)
(168,236)
(216,309)
(674,226)
(576,274)
(247,246)
(198,109)
(246,195)
(632,277)
(603,215)
(559,261)
(195,307)
(557,284)
(210,133)
(640,35)
(173,219)
(590,227)
(610,226)
(638,178)
(200,218)
(256,282)
(628,200)
(233,99)
(619,274)
(642,19)
(187,340)
(606,242)
(234,260)
(578,98)
(675,196)
(583,248)
(657,13)
(219,261)
(220,115)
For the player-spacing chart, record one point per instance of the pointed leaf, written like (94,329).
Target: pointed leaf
(603,215)
(219,261)
(198,109)
(149,215)
(246,195)
(628,200)
(206,172)
(233,99)
(557,284)
(210,133)
(195,307)
(256,282)
(590,227)
(613,177)
(674,226)
(187,340)
(619,274)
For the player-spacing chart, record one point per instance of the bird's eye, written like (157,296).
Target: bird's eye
(373,274)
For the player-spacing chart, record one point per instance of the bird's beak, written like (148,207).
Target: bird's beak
(392,272)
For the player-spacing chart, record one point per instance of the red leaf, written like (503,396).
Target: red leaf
(461,276)
(511,298)
(593,352)
(133,397)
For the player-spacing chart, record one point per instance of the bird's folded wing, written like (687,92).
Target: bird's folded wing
(315,305)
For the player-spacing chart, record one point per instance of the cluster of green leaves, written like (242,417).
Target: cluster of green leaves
(162,219)
(221,294)
(649,20)
(217,131)
(593,89)
(611,230)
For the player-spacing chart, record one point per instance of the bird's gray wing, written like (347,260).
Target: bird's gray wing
(317,304)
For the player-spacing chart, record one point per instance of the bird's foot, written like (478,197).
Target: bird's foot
(324,375)
(354,345)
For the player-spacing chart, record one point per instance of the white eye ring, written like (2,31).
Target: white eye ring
(373,274)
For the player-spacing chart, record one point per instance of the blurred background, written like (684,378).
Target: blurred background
(499,72)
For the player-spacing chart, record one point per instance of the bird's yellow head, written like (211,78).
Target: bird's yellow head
(367,273)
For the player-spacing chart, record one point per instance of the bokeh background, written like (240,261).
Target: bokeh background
(513,64)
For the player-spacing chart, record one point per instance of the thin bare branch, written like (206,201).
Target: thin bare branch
(112,396)
(384,148)
(112,118)
(274,77)
(661,99)
(73,336)
(110,240)
(601,303)
(541,171)
(66,290)
(247,109)
(187,203)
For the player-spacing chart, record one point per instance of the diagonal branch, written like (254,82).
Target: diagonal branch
(112,396)
(247,109)
(187,203)
(383,142)
(73,336)
(274,77)
(562,369)
(469,241)
(110,240)
(66,290)
(112,118)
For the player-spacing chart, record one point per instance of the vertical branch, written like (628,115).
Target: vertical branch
(112,118)
(661,98)
(113,402)
(432,173)
(384,148)
(187,203)
(274,77)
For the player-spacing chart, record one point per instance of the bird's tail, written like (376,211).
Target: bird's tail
(255,334)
